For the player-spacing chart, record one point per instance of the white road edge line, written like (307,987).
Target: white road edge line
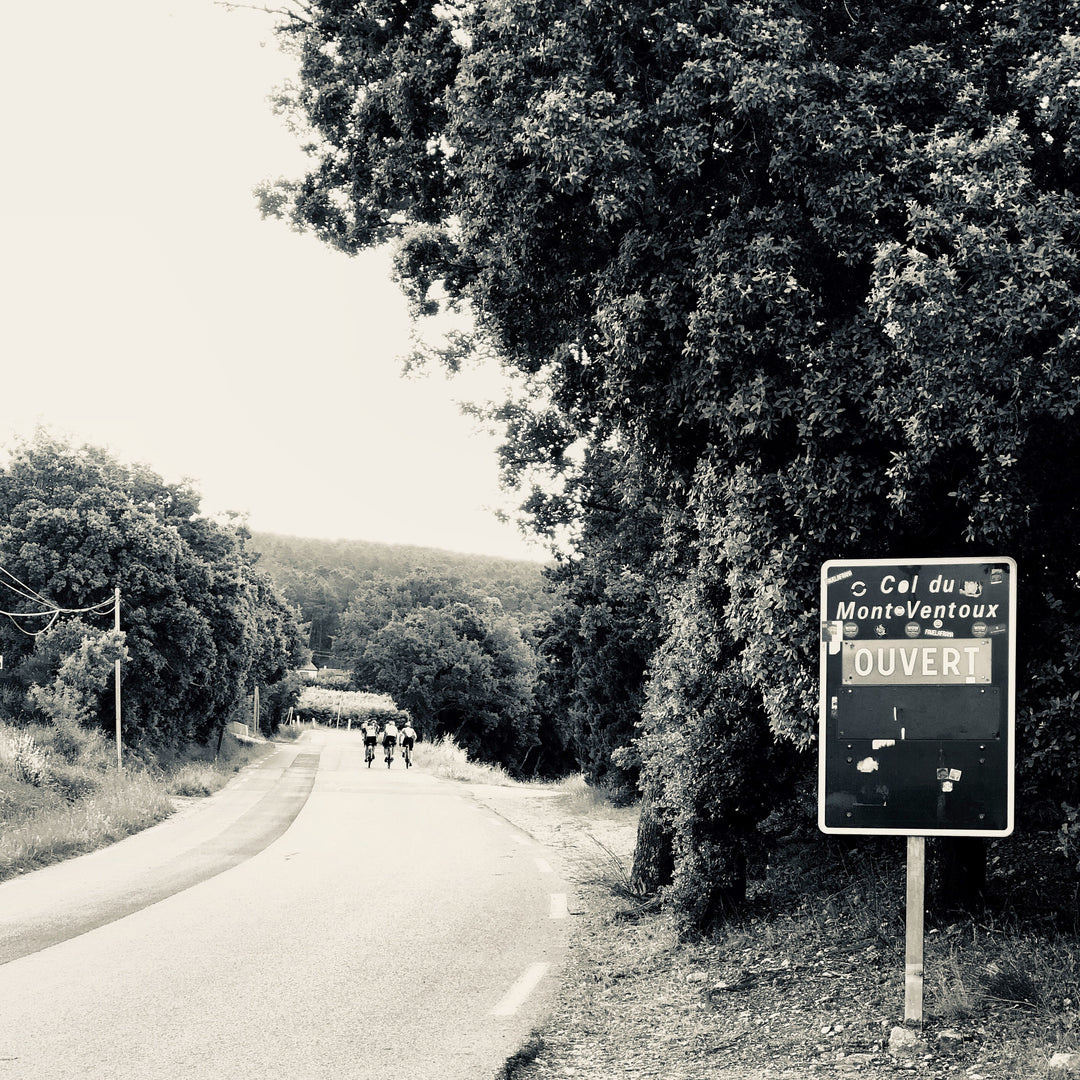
(559,908)
(519,993)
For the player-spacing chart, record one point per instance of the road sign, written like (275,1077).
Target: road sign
(918,665)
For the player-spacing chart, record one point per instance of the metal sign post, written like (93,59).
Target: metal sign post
(916,712)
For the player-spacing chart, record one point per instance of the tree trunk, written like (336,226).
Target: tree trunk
(727,893)
(654,860)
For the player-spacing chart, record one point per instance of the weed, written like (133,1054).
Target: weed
(587,800)
(615,874)
(524,1057)
(195,780)
(445,758)
(27,762)
(125,805)
(1005,980)
(72,780)
(952,997)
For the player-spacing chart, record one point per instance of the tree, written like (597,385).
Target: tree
(81,661)
(818,264)
(608,624)
(199,623)
(381,599)
(463,672)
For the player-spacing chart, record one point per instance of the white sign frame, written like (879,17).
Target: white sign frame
(897,587)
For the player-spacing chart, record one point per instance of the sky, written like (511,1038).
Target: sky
(145,306)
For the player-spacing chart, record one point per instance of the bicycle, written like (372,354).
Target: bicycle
(389,754)
(406,755)
(369,753)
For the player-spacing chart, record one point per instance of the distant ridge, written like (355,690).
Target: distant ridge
(321,577)
(371,555)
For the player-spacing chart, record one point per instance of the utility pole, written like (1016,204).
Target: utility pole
(116,627)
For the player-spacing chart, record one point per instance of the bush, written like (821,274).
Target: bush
(194,780)
(451,761)
(277,699)
(73,781)
(67,760)
(23,758)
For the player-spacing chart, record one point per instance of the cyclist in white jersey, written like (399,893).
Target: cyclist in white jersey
(371,732)
(390,734)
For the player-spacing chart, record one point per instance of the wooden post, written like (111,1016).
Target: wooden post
(116,627)
(913,954)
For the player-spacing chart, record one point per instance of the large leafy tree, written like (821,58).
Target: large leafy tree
(464,672)
(199,623)
(607,626)
(817,263)
(382,599)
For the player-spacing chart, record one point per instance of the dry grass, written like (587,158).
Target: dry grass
(54,832)
(62,796)
(445,758)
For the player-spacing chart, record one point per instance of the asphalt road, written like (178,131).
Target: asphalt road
(316,919)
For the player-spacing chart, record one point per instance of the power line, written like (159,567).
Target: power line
(24,590)
(53,611)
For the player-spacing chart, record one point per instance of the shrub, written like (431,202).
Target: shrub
(194,779)
(23,758)
(451,761)
(73,781)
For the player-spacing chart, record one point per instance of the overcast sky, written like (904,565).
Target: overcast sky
(145,306)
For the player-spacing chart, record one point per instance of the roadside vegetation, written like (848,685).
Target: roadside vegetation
(778,284)
(806,979)
(58,799)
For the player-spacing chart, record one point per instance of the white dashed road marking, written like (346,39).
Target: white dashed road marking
(544,866)
(519,993)
(559,908)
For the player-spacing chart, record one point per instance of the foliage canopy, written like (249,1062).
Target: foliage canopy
(817,265)
(199,623)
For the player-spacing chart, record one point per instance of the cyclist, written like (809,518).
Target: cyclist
(408,738)
(389,740)
(371,737)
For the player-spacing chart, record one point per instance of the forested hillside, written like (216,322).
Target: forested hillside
(460,641)
(321,576)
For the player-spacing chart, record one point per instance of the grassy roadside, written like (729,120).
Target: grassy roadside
(808,980)
(61,794)
(808,987)
(806,983)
